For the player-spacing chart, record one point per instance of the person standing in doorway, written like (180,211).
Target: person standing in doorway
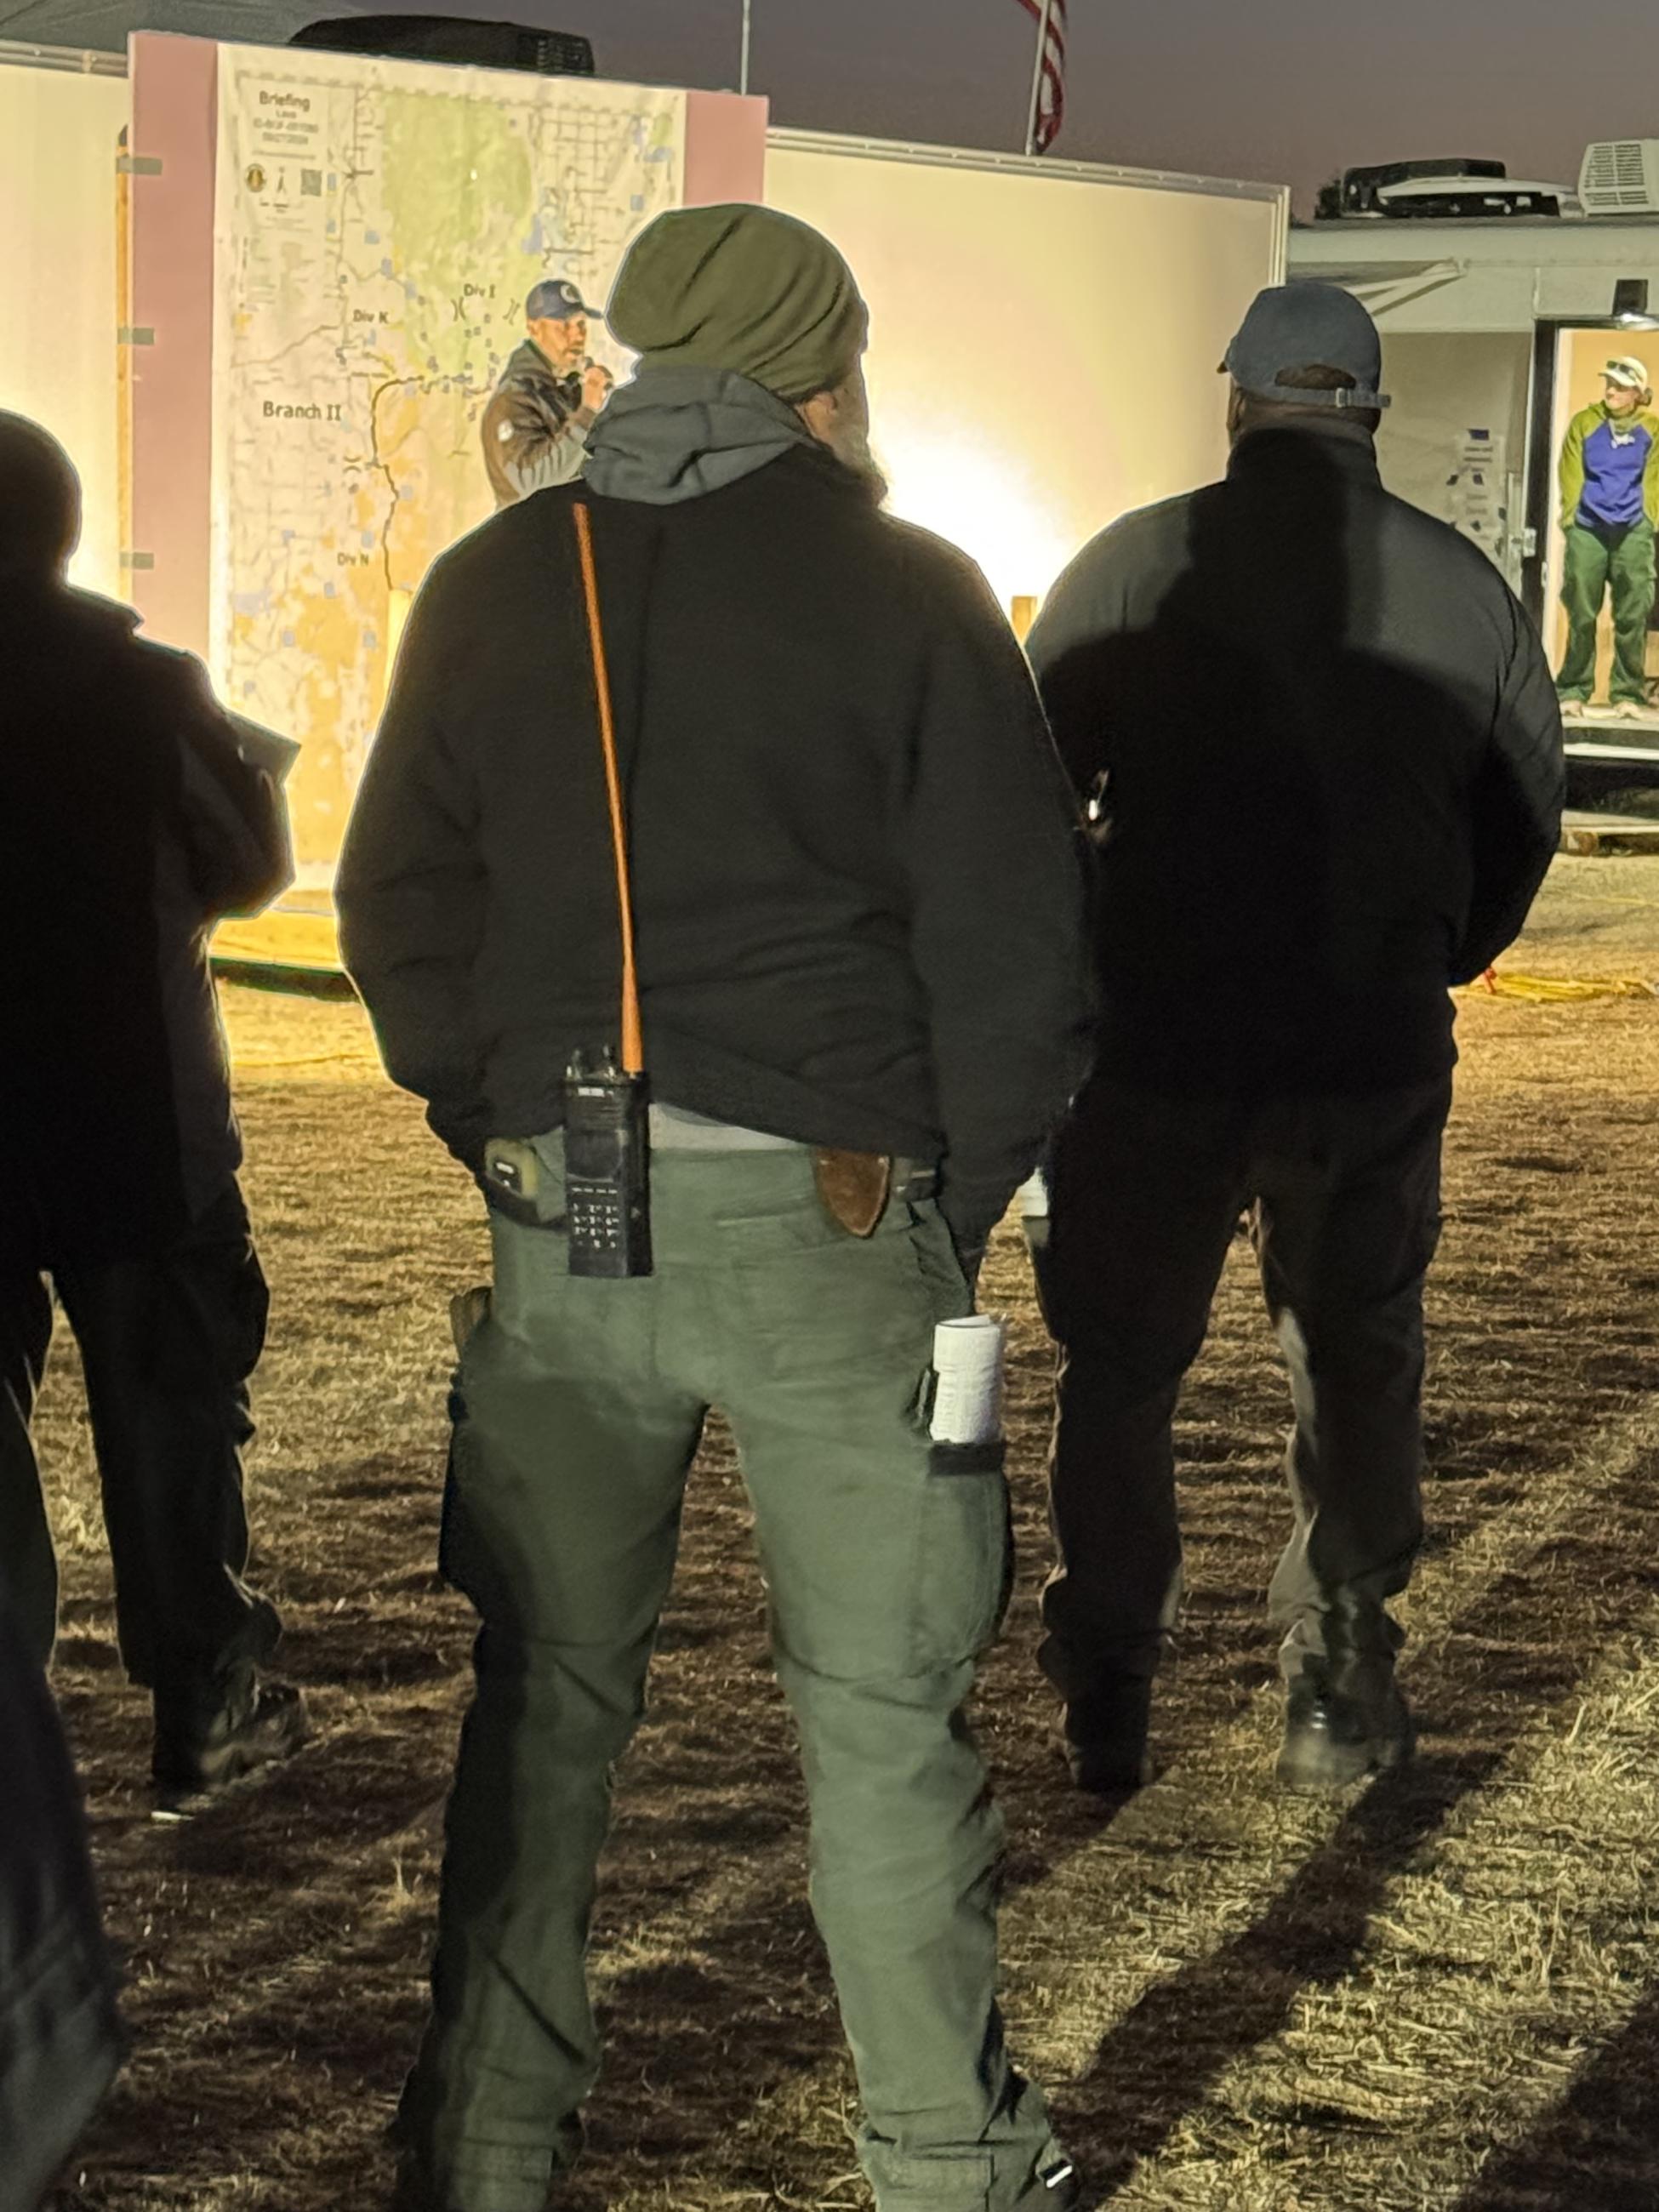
(1609,511)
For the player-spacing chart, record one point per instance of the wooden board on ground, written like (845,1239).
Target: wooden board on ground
(299,932)
(1587,835)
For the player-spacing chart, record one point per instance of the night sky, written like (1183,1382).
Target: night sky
(1287,89)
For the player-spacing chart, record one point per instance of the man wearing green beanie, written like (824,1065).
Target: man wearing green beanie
(744,289)
(750,334)
(857,893)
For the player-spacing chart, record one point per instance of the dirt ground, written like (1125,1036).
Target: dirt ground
(1441,1990)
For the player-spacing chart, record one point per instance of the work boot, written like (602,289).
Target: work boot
(208,1734)
(1344,1718)
(1101,1736)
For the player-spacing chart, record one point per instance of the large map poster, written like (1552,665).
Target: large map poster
(377,226)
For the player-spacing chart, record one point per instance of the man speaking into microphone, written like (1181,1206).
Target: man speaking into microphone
(536,426)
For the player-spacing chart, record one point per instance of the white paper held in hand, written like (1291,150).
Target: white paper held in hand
(968,1390)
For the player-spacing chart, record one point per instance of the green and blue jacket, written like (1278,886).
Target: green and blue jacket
(1610,470)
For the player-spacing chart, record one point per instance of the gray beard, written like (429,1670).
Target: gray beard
(851,448)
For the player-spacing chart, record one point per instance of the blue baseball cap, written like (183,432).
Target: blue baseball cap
(1307,326)
(555,299)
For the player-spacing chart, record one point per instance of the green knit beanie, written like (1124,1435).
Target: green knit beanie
(744,289)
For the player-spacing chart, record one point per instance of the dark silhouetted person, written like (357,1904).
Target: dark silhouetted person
(60,2038)
(129,821)
(858,890)
(1323,751)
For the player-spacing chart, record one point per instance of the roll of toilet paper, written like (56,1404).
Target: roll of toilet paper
(967,1380)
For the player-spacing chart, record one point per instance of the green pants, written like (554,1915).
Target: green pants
(1619,555)
(579,1406)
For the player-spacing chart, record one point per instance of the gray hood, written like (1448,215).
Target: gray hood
(676,433)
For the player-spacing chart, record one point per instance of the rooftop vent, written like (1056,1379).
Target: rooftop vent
(456,39)
(1620,176)
(1359,191)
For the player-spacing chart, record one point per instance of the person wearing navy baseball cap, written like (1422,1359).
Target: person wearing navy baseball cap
(1320,745)
(536,426)
(1289,329)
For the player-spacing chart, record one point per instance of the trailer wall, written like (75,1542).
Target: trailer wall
(59,133)
(1044,337)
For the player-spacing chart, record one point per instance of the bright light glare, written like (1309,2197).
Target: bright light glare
(981,499)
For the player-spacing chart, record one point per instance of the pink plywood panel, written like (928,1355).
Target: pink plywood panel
(724,148)
(174,101)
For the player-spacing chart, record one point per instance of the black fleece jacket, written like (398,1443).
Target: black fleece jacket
(858,874)
(131,820)
(1329,761)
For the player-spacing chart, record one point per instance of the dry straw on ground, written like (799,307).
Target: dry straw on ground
(1439,1992)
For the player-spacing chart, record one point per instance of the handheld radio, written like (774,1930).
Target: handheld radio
(607,1149)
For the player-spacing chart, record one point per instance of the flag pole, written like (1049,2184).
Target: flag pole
(1035,110)
(743,65)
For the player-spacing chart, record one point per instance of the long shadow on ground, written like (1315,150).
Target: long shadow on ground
(698,2034)
(1599,2147)
(1492,1673)
(710,2023)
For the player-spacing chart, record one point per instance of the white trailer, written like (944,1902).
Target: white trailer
(1044,335)
(1494,333)
(62,118)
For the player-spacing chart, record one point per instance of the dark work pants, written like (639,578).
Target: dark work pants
(168,1340)
(60,2037)
(1148,1190)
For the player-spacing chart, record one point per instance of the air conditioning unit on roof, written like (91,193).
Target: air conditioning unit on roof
(1620,176)
(460,40)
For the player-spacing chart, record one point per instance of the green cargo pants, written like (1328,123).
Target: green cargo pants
(580,1407)
(1621,556)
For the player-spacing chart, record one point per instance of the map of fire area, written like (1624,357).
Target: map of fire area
(377,228)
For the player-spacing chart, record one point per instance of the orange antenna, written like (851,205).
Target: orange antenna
(633,1047)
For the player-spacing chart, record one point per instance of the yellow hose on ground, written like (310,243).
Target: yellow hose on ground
(1560,990)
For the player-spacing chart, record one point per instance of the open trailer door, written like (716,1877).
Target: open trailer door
(1611,714)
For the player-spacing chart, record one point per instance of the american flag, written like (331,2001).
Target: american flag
(1051,84)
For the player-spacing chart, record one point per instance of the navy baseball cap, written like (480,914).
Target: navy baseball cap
(1292,326)
(554,300)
